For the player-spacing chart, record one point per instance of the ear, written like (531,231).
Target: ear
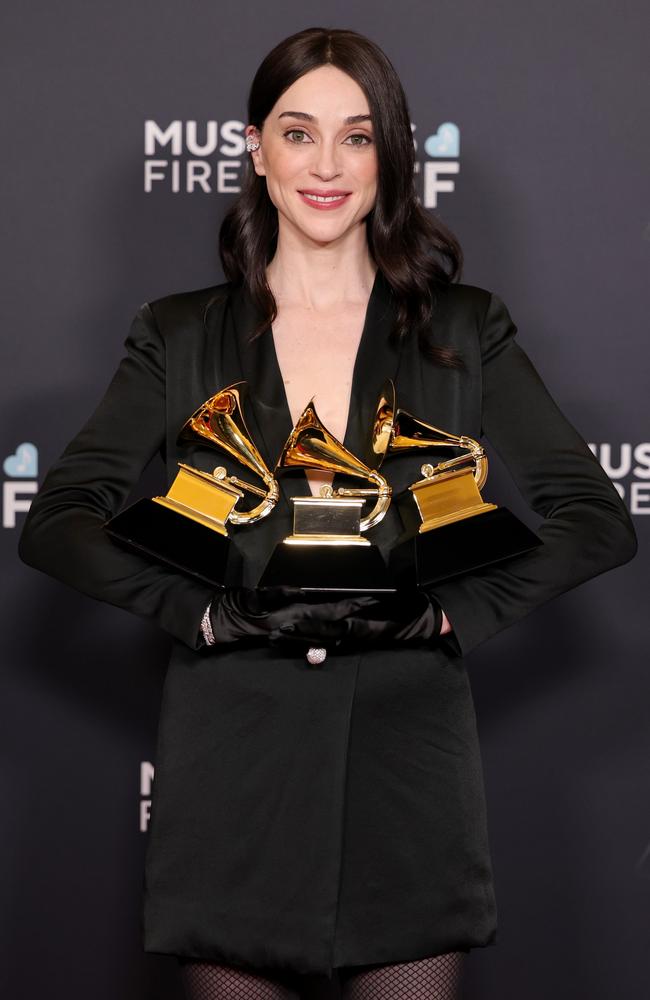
(256,154)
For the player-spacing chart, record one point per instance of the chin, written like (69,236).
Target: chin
(328,237)
(330,230)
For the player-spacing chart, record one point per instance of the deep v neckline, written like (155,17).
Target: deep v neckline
(356,367)
(267,407)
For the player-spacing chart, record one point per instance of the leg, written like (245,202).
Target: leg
(436,978)
(213,981)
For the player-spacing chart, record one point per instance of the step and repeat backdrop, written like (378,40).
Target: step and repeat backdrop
(123,147)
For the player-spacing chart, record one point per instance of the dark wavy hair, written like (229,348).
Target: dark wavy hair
(416,252)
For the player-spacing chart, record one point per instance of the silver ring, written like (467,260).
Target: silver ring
(316,654)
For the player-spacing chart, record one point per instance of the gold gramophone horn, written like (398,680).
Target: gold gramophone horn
(383,424)
(311,446)
(220,421)
(409,433)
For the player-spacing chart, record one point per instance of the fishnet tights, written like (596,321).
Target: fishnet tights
(435,978)
(211,981)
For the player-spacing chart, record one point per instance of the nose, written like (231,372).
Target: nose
(325,163)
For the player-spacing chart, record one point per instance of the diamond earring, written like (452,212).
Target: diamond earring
(251,144)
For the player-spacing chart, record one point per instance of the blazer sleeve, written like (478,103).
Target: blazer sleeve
(586,528)
(63,534)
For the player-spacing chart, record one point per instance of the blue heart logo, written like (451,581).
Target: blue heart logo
(23,464)
(446,141)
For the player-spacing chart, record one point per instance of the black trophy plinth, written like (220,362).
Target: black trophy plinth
(175,539)
(326,552)
(339,568)
(424,558)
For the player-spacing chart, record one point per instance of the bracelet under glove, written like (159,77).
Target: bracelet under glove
(238,613)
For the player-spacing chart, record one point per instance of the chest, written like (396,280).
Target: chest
(316,357)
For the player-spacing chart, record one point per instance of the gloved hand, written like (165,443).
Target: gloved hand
(406,616)
(243,613)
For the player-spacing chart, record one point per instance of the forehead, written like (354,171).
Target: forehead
(325,92)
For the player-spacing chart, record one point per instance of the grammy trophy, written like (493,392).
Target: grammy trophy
(449,528)
(327,550)
(187,528)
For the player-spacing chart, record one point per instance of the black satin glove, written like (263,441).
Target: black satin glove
(238,613)
(406,616)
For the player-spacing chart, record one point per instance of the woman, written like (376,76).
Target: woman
(324,821)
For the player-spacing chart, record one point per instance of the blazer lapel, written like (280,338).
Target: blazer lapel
(377,359)
(267,409)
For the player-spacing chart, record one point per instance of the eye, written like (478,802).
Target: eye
(295,131)
(360,135)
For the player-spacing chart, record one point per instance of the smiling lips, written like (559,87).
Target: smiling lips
(324,200)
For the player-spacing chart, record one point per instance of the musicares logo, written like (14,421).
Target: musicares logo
(628,466)
(22,470)
(444,149)
(189,162)
(185,157)
(146,784)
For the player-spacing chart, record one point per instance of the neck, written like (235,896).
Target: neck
(321,276)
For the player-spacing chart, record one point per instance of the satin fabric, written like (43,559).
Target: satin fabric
(306,818)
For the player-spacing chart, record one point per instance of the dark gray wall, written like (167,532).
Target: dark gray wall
(548,200)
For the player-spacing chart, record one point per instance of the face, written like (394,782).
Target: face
(318,156)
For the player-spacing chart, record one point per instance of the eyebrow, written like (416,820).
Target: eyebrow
(350,120)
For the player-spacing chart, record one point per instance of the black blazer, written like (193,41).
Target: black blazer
(302,817)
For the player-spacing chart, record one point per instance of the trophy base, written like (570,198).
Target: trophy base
(343,568)
(168,536)
(460,547)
